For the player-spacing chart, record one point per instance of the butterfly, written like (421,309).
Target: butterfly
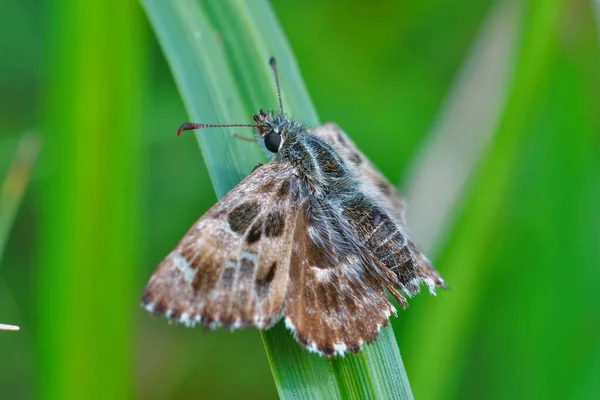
(315,237)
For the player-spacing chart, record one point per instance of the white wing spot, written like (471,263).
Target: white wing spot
(339,349)
(236,325)
(312,347)
(185,319)
(389,312)
(215,324)
(289,324)
(183,265)
(248,256)
(322,274)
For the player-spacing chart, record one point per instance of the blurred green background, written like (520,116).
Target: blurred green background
(486,113)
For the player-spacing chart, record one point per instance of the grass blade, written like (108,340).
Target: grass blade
(14,185)
(12,191)
(5,327)
(91,200)
(477,228)
(218,52)
(465,127)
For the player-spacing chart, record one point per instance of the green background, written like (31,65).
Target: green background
(114,190)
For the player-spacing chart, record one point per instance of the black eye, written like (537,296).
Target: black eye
(272,141)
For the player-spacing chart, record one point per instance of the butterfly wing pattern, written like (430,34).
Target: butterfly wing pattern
(231,268)
(362,167)
(315,236)
(335,303)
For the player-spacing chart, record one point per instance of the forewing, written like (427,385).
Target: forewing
(231,268)
(361,166)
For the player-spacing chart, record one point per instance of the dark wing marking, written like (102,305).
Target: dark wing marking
(361,166)
(334,303)
(391,248)
(231,268)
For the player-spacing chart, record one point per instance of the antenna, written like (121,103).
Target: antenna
(274,66)
(192,125)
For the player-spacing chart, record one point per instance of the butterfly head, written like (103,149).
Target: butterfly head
(274,129)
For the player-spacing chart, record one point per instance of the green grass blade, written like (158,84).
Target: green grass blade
(14,185)
(90,200)
(218,52)
(12,191)
(205,82)
(468,119)
(252,34)
(478,227)
(371,375)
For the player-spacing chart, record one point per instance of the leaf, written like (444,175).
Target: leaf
(11,193)
(479,225)
(441,171)
(89,208)
(14,184)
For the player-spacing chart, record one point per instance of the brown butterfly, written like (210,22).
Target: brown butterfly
(315,236)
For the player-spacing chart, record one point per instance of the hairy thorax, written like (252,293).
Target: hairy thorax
(321,170)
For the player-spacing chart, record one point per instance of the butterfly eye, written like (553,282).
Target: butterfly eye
(272,141)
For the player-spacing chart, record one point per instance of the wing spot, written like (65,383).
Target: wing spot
(228,277)
(255,232)
(385,187)
(328,349)
(207,277)
(340,348)
(263,282)
(159,309)
(284,189)
(341,139)
(246,268)
(267,187)
(175,315)
(274,224)
(248,255)
(355,158)
(242,216)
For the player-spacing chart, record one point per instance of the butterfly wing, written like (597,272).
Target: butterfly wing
(231,268)
(361,166)
(414,267)
(334,303)
(344,258)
